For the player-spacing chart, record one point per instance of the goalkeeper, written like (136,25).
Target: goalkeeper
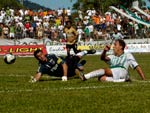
(58,66)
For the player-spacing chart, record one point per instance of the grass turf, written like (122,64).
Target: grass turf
(51,95)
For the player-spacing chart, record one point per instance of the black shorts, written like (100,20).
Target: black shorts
(72,62)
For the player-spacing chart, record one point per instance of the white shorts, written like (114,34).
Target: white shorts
(119,75)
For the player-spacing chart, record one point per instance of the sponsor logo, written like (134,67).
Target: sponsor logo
(21,50)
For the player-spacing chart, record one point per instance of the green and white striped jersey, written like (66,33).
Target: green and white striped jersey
(123,61)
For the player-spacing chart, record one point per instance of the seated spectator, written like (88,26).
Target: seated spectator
(6,31)
(117,35)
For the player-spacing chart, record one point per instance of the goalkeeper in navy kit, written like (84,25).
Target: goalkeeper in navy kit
(59,66)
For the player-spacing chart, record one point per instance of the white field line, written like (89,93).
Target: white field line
(71,88)
(141,81)
(63,88)
(12,75)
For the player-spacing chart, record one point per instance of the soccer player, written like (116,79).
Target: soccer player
(119,63)
(71,37)
(58,66)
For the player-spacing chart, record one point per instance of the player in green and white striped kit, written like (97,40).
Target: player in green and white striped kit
(119,62)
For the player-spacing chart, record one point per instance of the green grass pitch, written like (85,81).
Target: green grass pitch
(51,95)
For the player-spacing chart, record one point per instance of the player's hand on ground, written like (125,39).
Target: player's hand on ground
(32,80)
(64,78)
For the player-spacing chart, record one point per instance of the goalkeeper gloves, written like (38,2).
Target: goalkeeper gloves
(64,78)
(32,80)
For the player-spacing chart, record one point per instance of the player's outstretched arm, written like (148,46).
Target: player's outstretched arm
(65,70)
(140,72)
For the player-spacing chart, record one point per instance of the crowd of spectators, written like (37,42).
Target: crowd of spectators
(90,25)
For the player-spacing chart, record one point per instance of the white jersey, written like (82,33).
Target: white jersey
(119,67)
(123,61)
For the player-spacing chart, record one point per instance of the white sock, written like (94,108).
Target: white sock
(119,80)
(82,53)
(96,73)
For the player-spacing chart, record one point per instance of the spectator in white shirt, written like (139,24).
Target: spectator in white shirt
(1,18)
(80,33)
(117,35)
(59,12)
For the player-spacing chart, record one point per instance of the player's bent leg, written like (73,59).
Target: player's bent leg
(80,74)
(81,54)
(85,52)
(80,67)
(95,73)
(114,75)
(99,73)
(108,72)
(82,62)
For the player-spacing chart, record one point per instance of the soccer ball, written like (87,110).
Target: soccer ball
(9,58)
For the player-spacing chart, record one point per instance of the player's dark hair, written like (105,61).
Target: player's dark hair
(36,52)
(122,43)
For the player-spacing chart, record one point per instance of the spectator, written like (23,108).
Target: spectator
(6,31)
(89,17)
(80,31)
(40,31)
(18,31)
(1,30)
(117,35)
(68,11)
(12,31)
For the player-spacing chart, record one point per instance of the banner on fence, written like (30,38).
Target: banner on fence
(61,49)
(21,49)
(133,48)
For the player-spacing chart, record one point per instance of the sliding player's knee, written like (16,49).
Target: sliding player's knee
(108,72)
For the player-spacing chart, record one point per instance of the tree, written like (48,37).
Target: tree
(103,5)
(10,3)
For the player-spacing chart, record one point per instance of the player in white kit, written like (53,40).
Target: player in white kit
(119,63)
